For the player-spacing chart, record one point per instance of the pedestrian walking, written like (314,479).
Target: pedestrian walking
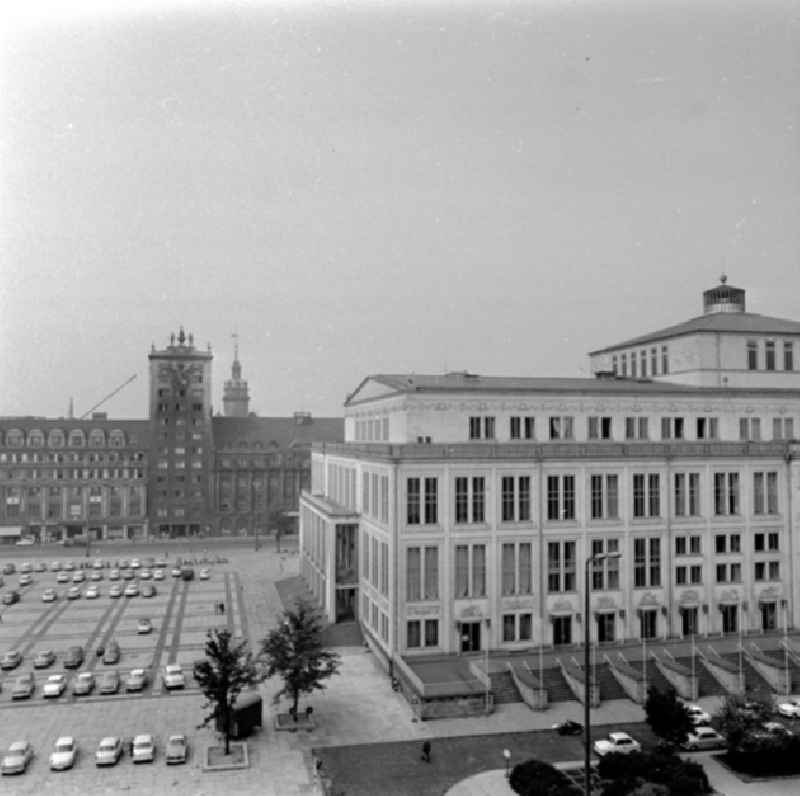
(426,751)
(222,608)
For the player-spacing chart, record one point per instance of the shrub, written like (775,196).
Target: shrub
(536,778)
(629,774)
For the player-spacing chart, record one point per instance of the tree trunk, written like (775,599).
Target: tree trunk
(296,702)
(226,724)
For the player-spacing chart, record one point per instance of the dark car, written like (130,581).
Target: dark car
(187,573)
(23,686)
(10,597)
(9,569)
(111,654)
(109,682)
(568,727)
(74,658)
(148,590)
(11,660)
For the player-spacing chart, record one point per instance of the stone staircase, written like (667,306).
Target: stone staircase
(607,683)
(752,679)
(654,677)
(504,689)
(556,685)
(706,684)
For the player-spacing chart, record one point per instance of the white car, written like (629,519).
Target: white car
(790,708)
(698,715)
(619,742)
(131,590)
(158,574)
(173,676)
(704,738)
(144,749)
(16,759)
(63,755)
(108,752)
(26,566)
(55,685)
(204,574)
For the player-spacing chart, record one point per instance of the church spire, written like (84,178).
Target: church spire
(235,398)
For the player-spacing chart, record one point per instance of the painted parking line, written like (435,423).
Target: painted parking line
(241,614)
(155,681)
(228,602)
(109,632)
(30,639)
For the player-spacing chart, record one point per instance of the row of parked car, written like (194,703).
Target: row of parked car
(110,750)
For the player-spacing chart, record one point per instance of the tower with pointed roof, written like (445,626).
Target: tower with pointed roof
(235,397)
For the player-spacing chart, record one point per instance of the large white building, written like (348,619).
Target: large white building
(460,510)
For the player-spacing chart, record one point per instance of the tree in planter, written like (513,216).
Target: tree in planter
(537,778)
(740,716)
(294,651)
(227,669)
(667,715)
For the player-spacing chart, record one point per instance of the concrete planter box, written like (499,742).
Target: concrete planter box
(215,759)
(286,723)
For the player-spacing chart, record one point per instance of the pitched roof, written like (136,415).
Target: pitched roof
(737,322)
(285,432)
(469,382)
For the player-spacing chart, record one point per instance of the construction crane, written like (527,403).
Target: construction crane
(110,395)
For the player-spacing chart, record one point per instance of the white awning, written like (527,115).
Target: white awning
(11,530)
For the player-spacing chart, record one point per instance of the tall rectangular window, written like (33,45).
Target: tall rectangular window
(633,364)
(475,428)
(561,566)
(561,428)
(488,427)
(672,428)
(528,427)
(765,493)
(599,428)
(561,497)
(515,428)
(525,584)
(509,565)
(788,355)
(479,570)
(726,493)
(646,495)
(479,499)
(643,363)
(604,497)
(462,499)
(646,562)
(769,355)
(636,428)
(687,494)
(782,428)
(431,501)
(524,506)
(664,360)
(431,590)
(413,501)
(413,574)
(653,361)
(624,361)
(707,428)
(752,355)
(507,498)
(749,429)
(462,571)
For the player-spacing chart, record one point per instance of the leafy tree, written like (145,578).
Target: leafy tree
(227,669)
(652,774)
(536,778)
(667,715)
(294,651)
(740,716)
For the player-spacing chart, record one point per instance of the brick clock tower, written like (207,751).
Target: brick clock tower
(179,483)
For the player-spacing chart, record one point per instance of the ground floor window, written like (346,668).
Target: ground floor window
(562,629)
(729,618)
(517,627)
(647,623)
(414,633)
(769,616)
(689,621)
(605,628)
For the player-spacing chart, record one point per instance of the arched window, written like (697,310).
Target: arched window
(97,438)
(55,439)
(35,438)
(14,438)
(116,439)
(77,439)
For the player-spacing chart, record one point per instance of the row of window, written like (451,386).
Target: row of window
(470,497)
(372,430)
(375,562)
(768,359)
(640,361)
(379,622)
(55,503)
(516,566)
(71,474)
(74,458)
(636,428)
(375,496)
(77,438)
(179,406)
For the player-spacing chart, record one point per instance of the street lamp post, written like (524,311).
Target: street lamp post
(587,639)
(486,663)
(507,756)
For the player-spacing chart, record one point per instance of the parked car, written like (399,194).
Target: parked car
(10,597)
(92,593)
(135,563)
(74,658)
(175,572)
(136,680)
(704,738)
(790,708)
(176,750)
(127,574)
(149,590)
(97,563)
(9,568)
(43,659)
(145,574)
(131,590)
(114,574)
(698,715)
(26,579)
(619,742)
(115,591)
(83,684)
(173,676)
(187,573)
(64,753)
(109,682)
(144,626)
(94,575)
(775,728)
(158,574)
(78,577)
(40,566)
(144,749)
(16,759)
(49,596)
(109,751)
(55,685)
(112,653)
(73,593)
(568,727)
(55,566)
(204,573)
(26,566)
(62,577)
(69,566)
(11,660)
(25,541)
(23,687)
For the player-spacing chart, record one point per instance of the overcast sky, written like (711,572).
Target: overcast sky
(373,187)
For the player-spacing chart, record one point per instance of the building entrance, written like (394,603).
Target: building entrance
(562,630)
(769,616)
(345,605)
(729,618)
(689,624)
(605,628)
(470,636)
